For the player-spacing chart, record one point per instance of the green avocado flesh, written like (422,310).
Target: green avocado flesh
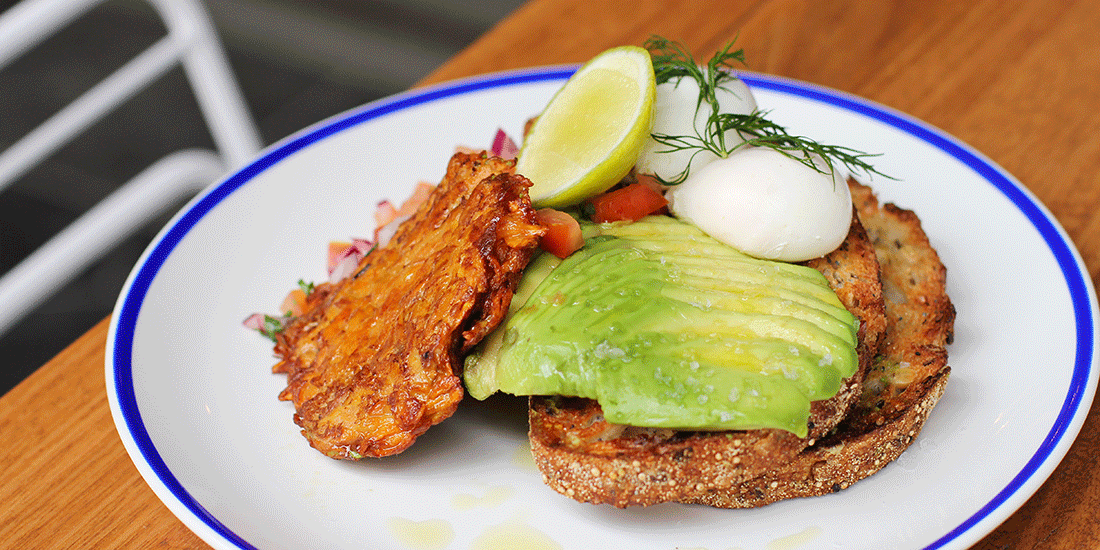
(669,328)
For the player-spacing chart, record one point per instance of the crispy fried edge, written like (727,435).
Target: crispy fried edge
(503,271)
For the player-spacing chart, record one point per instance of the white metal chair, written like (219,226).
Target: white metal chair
(190,43)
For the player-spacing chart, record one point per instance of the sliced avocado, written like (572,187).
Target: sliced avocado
(667,327)
(481,365)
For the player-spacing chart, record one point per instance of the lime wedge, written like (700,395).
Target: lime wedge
(592,131)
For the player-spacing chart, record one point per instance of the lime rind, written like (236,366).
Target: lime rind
(593,129)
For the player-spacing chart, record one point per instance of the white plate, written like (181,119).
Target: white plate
(195,402)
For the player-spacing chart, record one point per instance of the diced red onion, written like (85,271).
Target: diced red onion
(385,213)
(503,146)
(361,246)
(345,262)
(344,268)
(383,234)
(254,321)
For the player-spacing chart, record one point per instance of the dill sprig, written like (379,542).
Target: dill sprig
(672,62)
(757,131)
(273,325)
(307,287)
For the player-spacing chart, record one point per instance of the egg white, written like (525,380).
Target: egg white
(675,114)
(766,204)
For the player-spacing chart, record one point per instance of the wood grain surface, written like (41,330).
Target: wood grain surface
(1018,81)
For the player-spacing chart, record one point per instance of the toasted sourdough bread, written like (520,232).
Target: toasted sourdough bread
(586,458)
(598,461)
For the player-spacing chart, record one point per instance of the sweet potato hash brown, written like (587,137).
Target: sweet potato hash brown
(374,360)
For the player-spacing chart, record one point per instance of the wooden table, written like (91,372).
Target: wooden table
(1019,81)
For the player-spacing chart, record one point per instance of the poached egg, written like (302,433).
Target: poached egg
(677,112)
(766,204)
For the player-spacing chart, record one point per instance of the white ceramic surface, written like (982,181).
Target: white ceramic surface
(195,402)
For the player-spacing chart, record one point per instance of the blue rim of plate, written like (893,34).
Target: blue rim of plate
(130,307)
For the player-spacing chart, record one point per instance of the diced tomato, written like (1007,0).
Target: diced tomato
(385,213)
(630,203)
(336,251)
(294,303)
(651,182)
(563,233)
(419,195)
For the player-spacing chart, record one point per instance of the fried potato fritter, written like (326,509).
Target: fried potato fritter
(375,359)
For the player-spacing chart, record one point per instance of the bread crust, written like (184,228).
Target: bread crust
(588,459)
(903,374)
(853,272)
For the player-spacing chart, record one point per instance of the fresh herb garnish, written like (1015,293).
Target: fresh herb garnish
(273,325)
(671,62)
(306,287)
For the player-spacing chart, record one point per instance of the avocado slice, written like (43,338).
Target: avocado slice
(667,327)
